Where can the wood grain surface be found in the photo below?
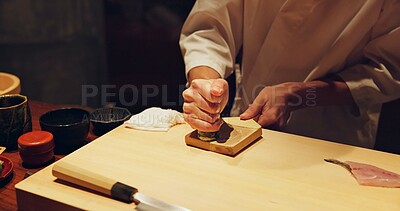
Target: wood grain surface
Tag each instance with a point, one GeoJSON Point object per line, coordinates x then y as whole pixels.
{"type": "Point", "coordinates": [7, 189]}
{"type": "Point", "coordinates": [278, 172]}
{"type": "Point", "coordinates": [233, 136]}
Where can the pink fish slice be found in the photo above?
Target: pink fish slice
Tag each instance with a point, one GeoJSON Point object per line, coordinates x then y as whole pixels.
{"type": "Point", "coordinates": [370, 175]}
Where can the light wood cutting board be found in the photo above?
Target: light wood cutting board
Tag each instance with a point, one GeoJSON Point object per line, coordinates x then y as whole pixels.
{"type": "Point", "coordinates": [235, 135]}
{"type": "Point", "coordinates": [278, 172]}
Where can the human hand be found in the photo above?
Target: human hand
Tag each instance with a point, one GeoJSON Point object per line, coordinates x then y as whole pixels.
{"type": "Point", "coordinates": [273, 105]}
{"type": "Point", "coordinates": [204, 101]}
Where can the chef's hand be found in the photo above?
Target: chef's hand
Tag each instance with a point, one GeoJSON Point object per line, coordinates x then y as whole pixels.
{"type": "Point", "coordinates": [272, 106]}
{"type": "Point", "coordinates": [204, 101]}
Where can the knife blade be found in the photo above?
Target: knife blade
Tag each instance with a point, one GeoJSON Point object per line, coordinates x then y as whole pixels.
{"type": "Point", "coordinates": [122, 192]}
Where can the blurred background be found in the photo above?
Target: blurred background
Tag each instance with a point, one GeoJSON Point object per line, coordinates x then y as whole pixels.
{"type": "Point", "coordinates": [95, 52]}
{"type": "Point", "coordinates": [111, 52]}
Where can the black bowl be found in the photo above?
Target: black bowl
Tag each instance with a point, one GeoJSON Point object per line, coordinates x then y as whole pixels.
{"type": "Point", "coordinates": [69, 126]}
{"type": "Point", "coordinates": [106, 119]}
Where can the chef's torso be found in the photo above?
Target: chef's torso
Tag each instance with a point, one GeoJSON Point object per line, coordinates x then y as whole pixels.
{"type": "Point", "coordinates": [298, 41]}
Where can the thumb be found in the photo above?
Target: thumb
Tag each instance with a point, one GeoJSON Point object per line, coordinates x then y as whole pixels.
{"type": "Point", "coordinates": [219, 87]}
{"type": "Point", "coordinates": [251, 112]}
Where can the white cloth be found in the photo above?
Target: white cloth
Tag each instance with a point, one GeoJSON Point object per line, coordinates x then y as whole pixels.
{"type": "Point", "coordinates": [155, 119]}
{"type": "Point", "coordinates": [300, 41]}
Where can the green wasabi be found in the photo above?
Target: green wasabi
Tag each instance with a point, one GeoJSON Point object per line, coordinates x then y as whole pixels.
{"type": "Point", "coordinates": [207, 136]}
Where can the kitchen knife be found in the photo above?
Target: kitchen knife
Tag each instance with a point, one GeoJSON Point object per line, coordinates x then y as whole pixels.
{"type": "Point", "coordinates": [85, 178]}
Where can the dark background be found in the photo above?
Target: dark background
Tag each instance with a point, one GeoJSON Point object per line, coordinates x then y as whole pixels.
{"type": "Point", "coordinates": [111, 52]}
{"type": "Point", "coordinates": [95, 52]}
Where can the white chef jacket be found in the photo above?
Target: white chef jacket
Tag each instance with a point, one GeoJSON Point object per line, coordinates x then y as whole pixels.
{"type": "Point", "coordinates": [300, 41]}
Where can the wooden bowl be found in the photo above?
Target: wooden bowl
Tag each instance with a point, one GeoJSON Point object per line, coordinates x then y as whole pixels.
{"type": "Point", "coordinates": [9, 84]}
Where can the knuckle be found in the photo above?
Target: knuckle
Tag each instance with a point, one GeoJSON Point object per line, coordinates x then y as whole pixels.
{"type": "Point", "coordinates": [206, 118]}
{"type": "Point", "coordinates": [186, 118]}
{"type": "Point", "coordinates": [252, 107]}
{"type": "Point", "coordinates": [214, 117]}
{"type": "Point", "coordinates": [215, 99]}
{"type": "Point", "coordinates": [186, 107]}
{"type": "Point", "coordinates": [190, 121]}
{"type": "Point", "coordinates": [274, 118]}
{"type": "Point", "coordinates": [195, 83]}
{"type": "Point", "coordinates": [187, 93]}
{"type": "Point", "coordinates": [266, 121]}
{"type": "Point", "coordinates": [214, 108]}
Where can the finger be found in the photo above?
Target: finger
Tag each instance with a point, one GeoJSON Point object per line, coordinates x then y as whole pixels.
{"type": "Point", "coordinates": [194, 116]}
{"type": "Point", "coordinates": [251, 112]}
{"type": "Point", "coordinates": [281, 124]}
{"type": "Point", "coordinates": [200, 93]}
{"type": "Point", "coordinates": [188, 95]}
{"type": "Point", "coordinates": [255, 108]}
{"type": "Point", "coordinates": [197, 113]}
{"type": "Point", "coordinates": [266, 120]}
{"type": "Point", "coordinates": [273, 118]}
{"type": "Point", "coordinates": [211, 90]}
{"type": "Point", "coordinates": [202, 125]}
{"type": "Point", "coordinates": [219, 87]}
{"type": "Point", "coordinates": [277, 126]}
{"type": "Point", "coordinates": [256, 117]}
{"type": "Point", "coordinates": [203, 104]}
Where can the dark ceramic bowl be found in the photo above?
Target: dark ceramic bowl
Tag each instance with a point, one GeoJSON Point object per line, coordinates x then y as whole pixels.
{"type": "Point", "coordinates": [15, 119]}
{"type": "Point", "coordinates": [106, 119]}
{"type": "Point", "coordinates": [69, 126]}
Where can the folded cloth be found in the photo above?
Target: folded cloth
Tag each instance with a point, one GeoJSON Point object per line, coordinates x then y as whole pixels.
{"type": "Point", "coordinates": [155, 119]}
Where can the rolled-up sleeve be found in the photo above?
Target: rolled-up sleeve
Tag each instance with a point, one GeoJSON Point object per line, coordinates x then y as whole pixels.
{"type": "Point", "coordinates": [212, 35]}
{"type": "Point", "coordinates": [378, 80]}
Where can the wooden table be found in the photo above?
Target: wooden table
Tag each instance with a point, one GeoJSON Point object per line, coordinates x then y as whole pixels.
{"type": "Point", "coordinates": [7, 191]}
{"type": "Point", "coordinates": [278, 172]}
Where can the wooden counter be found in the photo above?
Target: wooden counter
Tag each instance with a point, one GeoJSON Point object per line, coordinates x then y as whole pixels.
{"type": "Point", "coordinates": [7, 190]}
{"type": "Point", "coordinates": [278, 172]}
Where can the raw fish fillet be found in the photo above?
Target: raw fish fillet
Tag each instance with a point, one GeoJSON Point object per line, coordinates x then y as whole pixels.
{"type": "Point", "coordinates": [370, 175]}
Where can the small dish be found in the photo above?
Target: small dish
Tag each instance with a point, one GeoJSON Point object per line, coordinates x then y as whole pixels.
{"type": "Point", "coordinates": [106, 119]}
{"type": "Point", "coordinates": [7, 168]}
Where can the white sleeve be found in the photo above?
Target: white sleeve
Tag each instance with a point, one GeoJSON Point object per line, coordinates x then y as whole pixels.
{"type": "Point", "coordinates": [378, 80]}
{"type": "Point", "coordinates": [212, 35]}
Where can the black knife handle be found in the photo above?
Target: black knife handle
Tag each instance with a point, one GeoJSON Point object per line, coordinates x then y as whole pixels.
{"type": "Point", "coordinates": [123, 192]}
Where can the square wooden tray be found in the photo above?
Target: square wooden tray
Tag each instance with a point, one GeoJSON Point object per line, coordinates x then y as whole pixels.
{"type": "Point", "coordinates": [235, 135]}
